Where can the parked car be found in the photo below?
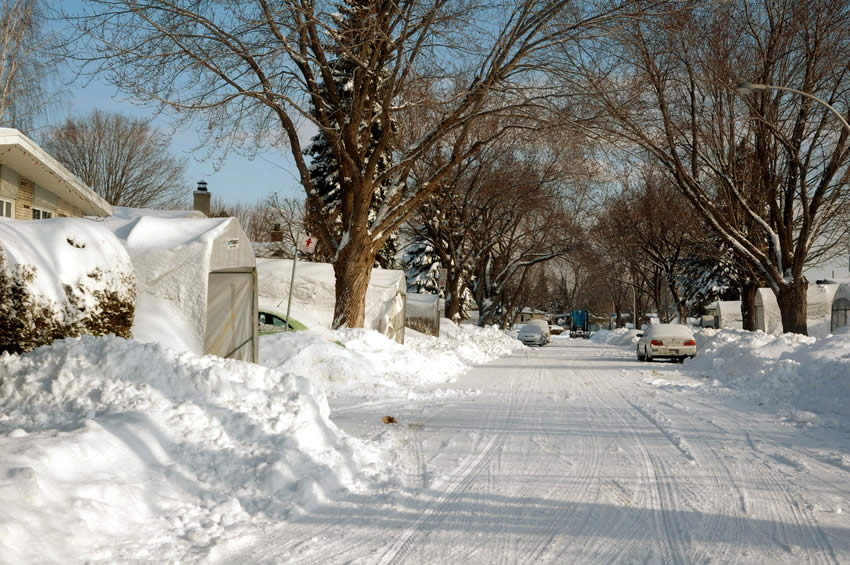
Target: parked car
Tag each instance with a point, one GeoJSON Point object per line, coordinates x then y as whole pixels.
{"type": "Point", "coordinates": [272, 323]}
{"type": "Point", "coordinates": [532, 334]}
{"type": "Point", "coordinates": [670, 341]}
{"type": "Point", "coordinates": [544, 327]}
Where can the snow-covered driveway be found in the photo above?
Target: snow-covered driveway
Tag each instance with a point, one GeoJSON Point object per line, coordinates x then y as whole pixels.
{"type": "Point", "coordinates": [576, 453]}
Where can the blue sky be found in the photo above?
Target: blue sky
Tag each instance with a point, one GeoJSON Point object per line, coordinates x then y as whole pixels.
{"type": "Point", "coordinates": [238, 178]}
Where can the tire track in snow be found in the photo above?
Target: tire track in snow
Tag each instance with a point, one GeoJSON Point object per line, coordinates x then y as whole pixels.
{"type": "Point", "coordinates": [660, 497]}
{"type": "Point", "coordinates": [767, 480]}
{"type": "Point", "coordinates": [459, 485]}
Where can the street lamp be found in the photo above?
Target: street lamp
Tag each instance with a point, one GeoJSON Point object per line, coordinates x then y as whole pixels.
{"type": "Point", "coordinates": [745, 88]}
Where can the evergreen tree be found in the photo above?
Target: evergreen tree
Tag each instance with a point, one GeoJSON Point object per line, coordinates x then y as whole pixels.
{"type": "Point", "coordinates": [421, 265]}
{"type": "Point", "coordinates": [324, 169]}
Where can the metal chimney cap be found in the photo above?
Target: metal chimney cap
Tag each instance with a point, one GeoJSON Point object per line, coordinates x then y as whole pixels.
{"type": "Point", "coordinates": [202, 185]}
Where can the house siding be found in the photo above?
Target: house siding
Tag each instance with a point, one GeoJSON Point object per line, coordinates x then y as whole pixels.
{"type": "Point", "coordinates": [65, 210]}
{"type": "Point", "coordinates": [23, 202]}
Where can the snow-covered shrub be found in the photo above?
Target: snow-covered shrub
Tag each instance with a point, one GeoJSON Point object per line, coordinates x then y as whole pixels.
{"type": "Point", "coordinates": [62, 278]}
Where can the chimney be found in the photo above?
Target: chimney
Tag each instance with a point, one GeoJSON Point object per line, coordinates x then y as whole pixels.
{"type": "Point", "coordinates": [202, 198]}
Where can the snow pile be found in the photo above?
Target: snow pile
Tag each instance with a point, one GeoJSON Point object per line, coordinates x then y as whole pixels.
{"type": "Point", "coordinates": [473, 345]}
{"type": "Point", "coordinates": [113, 449]}
{"type": "Point", "coordinates": [619, 336]}
{"type": "Point", "coordinates": [62, 277]}
{"type": "Point", "coordinates": [364, 361]}
{"type": "Point", "coordinates": [802, 376]}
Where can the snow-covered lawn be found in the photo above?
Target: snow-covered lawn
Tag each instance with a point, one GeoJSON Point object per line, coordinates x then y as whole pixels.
{"type": "Point", "coordinates": [113, 450]}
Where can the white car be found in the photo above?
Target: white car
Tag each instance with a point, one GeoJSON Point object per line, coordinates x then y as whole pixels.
{"type": "Point", "coordinates": [532, 334]}
{"type": "Point", "coordinates": [670, 341]}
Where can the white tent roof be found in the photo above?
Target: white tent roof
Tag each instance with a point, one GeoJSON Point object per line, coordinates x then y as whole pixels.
{"type": "Point", "coordinates": [818, 309]}
{"type": "Point", "coordinates": [729, 312]}
{"type": "Point", "coordinates": [173, 256]}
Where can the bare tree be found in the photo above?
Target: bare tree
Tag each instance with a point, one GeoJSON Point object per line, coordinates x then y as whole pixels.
{"type": "Point", "coordinates": [663, 229]}
{"type": "Point", "coordinates": [27, 61]}
{"type": "Point", "coordinates": [254, 70]}
{"type": "Point", "coordinates": [123, 159]}
{"type": "Point", "coordinates": [287, 215]}
{"type": "Point", "coordinates": [666, 83]}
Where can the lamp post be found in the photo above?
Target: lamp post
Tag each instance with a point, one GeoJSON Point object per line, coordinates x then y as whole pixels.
{"type": "Point", "coordinates": [745, 88]}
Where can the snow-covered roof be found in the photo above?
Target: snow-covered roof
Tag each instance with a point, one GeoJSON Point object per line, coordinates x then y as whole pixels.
{"type": "Point", "coordinates": [22, 154]}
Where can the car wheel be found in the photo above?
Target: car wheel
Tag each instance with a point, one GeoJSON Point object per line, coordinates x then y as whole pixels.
{"type": "Point", "coordinates": [647, 355]}
{"type": "Point", "coordinates": [639, 356]}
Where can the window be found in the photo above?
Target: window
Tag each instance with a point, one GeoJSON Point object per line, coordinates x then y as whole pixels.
{"type": "Point", "coordinates": [840, 313]}
{"type": "Point", "coordinates": [39, 214]}
{"type": "Point", "coordinates": [7, 208]}
{"type": "Point", "coordinates": [267, 319]}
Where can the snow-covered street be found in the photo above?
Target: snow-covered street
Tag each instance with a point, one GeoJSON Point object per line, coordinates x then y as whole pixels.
{"type": "Point", "coordinates": [347, 447]}
{"type": "Point", "coordinates": [576, 453]}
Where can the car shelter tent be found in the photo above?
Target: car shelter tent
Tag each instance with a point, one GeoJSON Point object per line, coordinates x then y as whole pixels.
{"type": "Point", "coordinates": [840, 310]}
{"type": "Point", "coordinates": [819, 306]}
{"type": "Point", "coordinates": [313, 296]}
{"type": "Point", "coordinates": [201, 268]}
{"type": "Point", "coordinates": [727, 314]}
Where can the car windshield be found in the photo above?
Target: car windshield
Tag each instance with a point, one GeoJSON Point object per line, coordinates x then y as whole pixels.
{"type": "Point", "coordinates": [529, 329]}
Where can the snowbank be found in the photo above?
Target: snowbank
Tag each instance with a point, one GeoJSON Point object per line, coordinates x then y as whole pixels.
{"type": "Point", "coordinates": [619, 336]}
{"type": "Point", "coordinates": [61, 277]}
{"type": "Point", "coordinates": [365, 361]}
{"type": "Point", "coordinates": [108, 445]}
{"type": "Point", "coordinates": [805, 377]}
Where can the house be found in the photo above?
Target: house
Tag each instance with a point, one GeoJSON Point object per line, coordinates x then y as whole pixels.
{"type": "Point", "coordinates": [35, 186]}
{"type": "Point", "coordinates": [532, 314]}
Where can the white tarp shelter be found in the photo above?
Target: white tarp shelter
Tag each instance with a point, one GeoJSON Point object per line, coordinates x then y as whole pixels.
{"type": "Point", "coordinates": [201, 268]}
{"type": "Point", "coordinates": [313, 297]}
{"type": "Point", "coordinates": [819, 302]}
{"type": "Point", "coordinates": [727, 314]}
{"type": "Point", "coordinates": [840, 314]}
{"type": "Point", "coordinates": [423, 313]}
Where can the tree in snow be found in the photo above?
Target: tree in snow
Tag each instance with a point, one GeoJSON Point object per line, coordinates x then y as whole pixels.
{"type": "Point", "coordinates": [123, 159]}
{"type": "Point", "coordinates": [663, 228]}
{"type": "Point", "coordinates": [421, 267]}
{"type": "Point", "coordinates": [252, 72]}
{"type": "Point", "coordinates": [483, 199]}
{"type": "Point", "coordinates": [324, 166]}
{"type": "Point", "coordinates": [667, 83]}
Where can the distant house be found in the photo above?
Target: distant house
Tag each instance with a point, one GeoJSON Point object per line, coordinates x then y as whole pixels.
{"type": "Point", "coordinates": [532, 314]}
{"type": "Point", "coordinates": [35, 186]}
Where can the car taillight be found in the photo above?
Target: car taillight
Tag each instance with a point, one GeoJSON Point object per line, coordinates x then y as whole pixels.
{"type": "Point", "coordinates": [656, 342]}
{"type": "Point", "coordinates": [690, 342]}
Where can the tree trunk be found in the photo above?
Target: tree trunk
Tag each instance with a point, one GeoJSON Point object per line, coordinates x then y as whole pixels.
{"type": "Point", "coordinates": [749, 289]}
{"type": "Point", "coordinates": [352, 270]}
{"type": "Point", "coordinates": [453, 299]}
{"type": "Point", "coordinates": [793, 306]}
